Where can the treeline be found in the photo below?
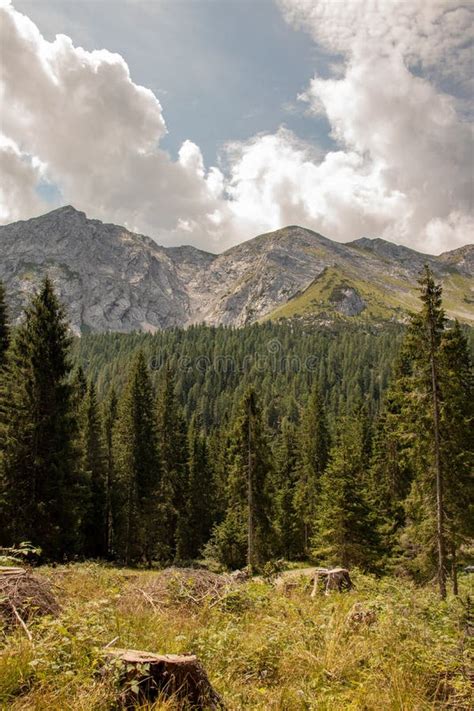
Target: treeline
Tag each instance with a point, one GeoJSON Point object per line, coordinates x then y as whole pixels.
{"type": "Point", "coordinates": [157, 449]}
{"type": "Point", "coordinates": [214, 366]}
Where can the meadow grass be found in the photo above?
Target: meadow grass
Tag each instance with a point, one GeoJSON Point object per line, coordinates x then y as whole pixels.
{"type": "Point", "coordinates": [262, 647]}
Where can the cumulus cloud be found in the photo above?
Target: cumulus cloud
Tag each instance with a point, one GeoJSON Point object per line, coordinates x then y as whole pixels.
{"type": "Point", "coordinates": [96, 135]}
{"type": "Point", "coordinates": [397, 104]}
{"type": "Point", "coordinates": [404, 166]}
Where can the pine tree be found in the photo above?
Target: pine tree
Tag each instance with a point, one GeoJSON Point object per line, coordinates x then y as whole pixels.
{"type": "Point", "coordinates": [136, 521]}
{"type": "Point", "coordinates": [434, 426]}
{"type": "Point", "coordinates": [314, 443]}
{"type": "Point", "coordinates": [245, 534]}
{"type": "Point", "coordinates": [345, 532]}
{"type": "Point", "coordinates": [94, 515]}
{"type": "Point", "coordinates": [420, 426]}
{"type": "Point", "coordinates": [172, 435]}
{"type": "Point", "coordinates": [4, 327]}
{"type": "Point", "coordinates": [457, 430]}
{"type": "Point", "coordinates": [287, 466]}
{"type": "Point", "coordinates": [38, 431]}
{"type": "Point", "coordinates": [109, 420]}
{"type": "Point", "coordinates": [195, 522]}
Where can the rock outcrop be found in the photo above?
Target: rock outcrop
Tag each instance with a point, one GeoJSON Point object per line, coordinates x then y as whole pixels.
{"type": "Point", "coordinates": [112, 279]}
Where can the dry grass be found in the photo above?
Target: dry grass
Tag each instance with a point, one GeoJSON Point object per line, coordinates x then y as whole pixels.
{"type": "Point", "coordinates": [262, 648]}
{"type": "Point", "coordinates": [177, 587]}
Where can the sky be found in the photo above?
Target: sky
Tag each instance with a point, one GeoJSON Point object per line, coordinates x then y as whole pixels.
{"type": "Point", "coordinates": [207, 122]}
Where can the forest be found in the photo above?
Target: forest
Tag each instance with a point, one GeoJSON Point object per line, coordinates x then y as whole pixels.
{"type": "Point", "coordinates": [137, 471]}
{"type": "Point", "coordinates": [337, 444]}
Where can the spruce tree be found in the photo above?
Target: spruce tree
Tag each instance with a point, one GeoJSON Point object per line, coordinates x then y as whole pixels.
{"type": "Point", "coordinates": [457, 428]}
{"type": "Point", "coordinates": [172, 435]}
{"type": "Point", "coordinates": [287, 466]}
{"type": "Point", "coordinates": [4, 326]}
{"type": "Point", "coordinates": [136, 520]}
{"type": "Point", "coordinates": [94, 515]}
{"type": "Point", "coordinates": [314, 444]}
{"type": "Point", "coordinates": [420, 425]}
{"type": "Point", "coordinates": [196, 520]}
{"type": "Point", "coordinates": [38, 431]}
{"type": "Point", "coordinates": [345, 530]}
{"type": "Point", "coordinates": [109, 420]}
{"type": "Point", "coordinates": [245, 535]}
{"type": "Point", "coordinates": [434, 426]}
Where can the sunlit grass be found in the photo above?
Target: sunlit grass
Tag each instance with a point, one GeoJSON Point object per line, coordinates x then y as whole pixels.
{"type": "Point", "coordinates": [262, 649]}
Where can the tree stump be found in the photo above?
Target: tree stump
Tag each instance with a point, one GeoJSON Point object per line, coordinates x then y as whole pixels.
{"type": "Point", "coordinates": [332, 579]}
{"type": "Point", "coordinates": [145, 677]}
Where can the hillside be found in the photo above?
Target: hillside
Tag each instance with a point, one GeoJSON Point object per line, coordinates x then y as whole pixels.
{"type": "Point", "coordinates": [113, 279]}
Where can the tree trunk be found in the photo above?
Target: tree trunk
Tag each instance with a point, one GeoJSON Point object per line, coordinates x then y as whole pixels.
{"type": "Point", "coordinates": [454, 572]}
{"type": "Point", "coordinates": [146, 678]}
{"type": "Point", "coordinates": [439, 477]}
{"type": "Point", "coordinates": [250, 551]}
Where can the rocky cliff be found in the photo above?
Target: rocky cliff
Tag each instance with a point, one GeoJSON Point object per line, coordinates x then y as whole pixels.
{"type": "Point", "coordinates": [112, 279]}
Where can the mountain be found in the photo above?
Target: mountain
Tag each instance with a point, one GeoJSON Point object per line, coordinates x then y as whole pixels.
{"type": "Point", "coordinates": [113, 279]}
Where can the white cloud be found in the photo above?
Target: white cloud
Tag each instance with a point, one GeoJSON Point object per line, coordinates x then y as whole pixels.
{"type": "Point", "coordinates": [97, 134]}
{"type": "Point", "coordinates": [402, 168]}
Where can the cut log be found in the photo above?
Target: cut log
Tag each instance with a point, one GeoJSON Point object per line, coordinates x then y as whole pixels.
{"type": "Point", "coordinates": [331, 579]}
{"type": "Point", "coordinates": [9, 570]}
{"type": "Point", "coordinates": [144, 677]}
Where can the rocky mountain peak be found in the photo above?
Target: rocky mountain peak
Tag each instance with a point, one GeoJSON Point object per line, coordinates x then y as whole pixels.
{"type": "Point", "coordinates": [112, 279]}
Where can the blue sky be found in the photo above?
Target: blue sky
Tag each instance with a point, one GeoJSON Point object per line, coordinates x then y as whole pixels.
{"type": "Point", "coordinates": [209, 121]}
{"type": "Point", "coordinates": [222, 69]}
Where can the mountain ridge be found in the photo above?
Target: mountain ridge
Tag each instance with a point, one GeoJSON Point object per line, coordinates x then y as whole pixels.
{"type": "Point", "coordinates": [113, 279]}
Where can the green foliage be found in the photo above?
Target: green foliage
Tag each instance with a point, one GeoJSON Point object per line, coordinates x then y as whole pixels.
{"type": "Point", "coordinates": [248, 507]}
{"type": "Point", "coordinates": [427, 437]}
{"type": "Point", "coordinates": [314, 448]}
{"type": "Point", "coordinates": [198, 515]}
{"type": "Point", "coordinates": [4, 326]}
{"type": "Point", "coordinates": [262, 648]}
{"type": "Point", "coordinates": [137, 469]}
{"type": "Point", "coordinates": [345, 530]}
{"type": "Point", "coordinates": [173, 502]}
{"type": "Point", "coordinates": [220, 441]}
{"type": "Point", "coordinates": [94, 516]}
{"type": "Point", "coordinates": [40, 477]}
{"type": "Point", "coordinates": [287, 516]}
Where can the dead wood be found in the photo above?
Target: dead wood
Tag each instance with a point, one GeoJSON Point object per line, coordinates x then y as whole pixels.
{"type": "Point", "coordinates": [331, 579]}
{"type": "Point", "coordinates": [144, 677]}
{"type": "Point", "coordinates": [23, 595]}
{"type": "Point", "coordinates": [178, 587]}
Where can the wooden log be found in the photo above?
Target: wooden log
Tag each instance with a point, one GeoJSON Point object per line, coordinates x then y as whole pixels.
{"type": "Point", "coordinates": [144, 677]}
{"type": "Point", "coordinates": [8, 570]}
{"type": "Point", "coordinates": [332, 579]}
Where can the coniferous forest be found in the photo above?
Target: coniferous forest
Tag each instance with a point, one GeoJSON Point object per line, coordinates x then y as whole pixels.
{"type": "Point", "coordinates": [341, 445]}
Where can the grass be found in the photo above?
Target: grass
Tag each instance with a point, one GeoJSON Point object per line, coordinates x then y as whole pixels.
{"type": "Point", "coordinates": [317, 297]}
{"type": "Point", "coordinates": [394, 297]}
{"type": "Point", "coordinates": [262, 648]}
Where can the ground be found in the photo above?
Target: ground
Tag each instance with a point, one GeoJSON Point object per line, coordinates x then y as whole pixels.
{"type": "Point", "coordinates": [263, 646]}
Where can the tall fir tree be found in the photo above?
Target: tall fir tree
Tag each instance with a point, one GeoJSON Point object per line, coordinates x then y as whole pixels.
{"type": "Point", "coordinates": [38, 431]}
{"type": "Point", "coordinates": [457, 431]}
{"type": "Point", "coordinates": [109, 419]}
{"type": "Point", "coordinates": [136, 520]}
{"type": "Point", "coordinates": [286, 517]}
{"type": "Point", "coordinates": [94, 471]}
{"type": "Point", "coordinates": [345, 530]}
{"type": "Point", "coordinates": [245, 534]}
{"type": "Point", "coordinates": [196, 520]}
{"type": "Point", "coordinates": [4, 326]}
{"type": "Point", "coordinates": [434, 429]}
{"type": "Point", "coordinates": [314, 444]}
{"type": "Point", "coordinates": [172, 435]}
